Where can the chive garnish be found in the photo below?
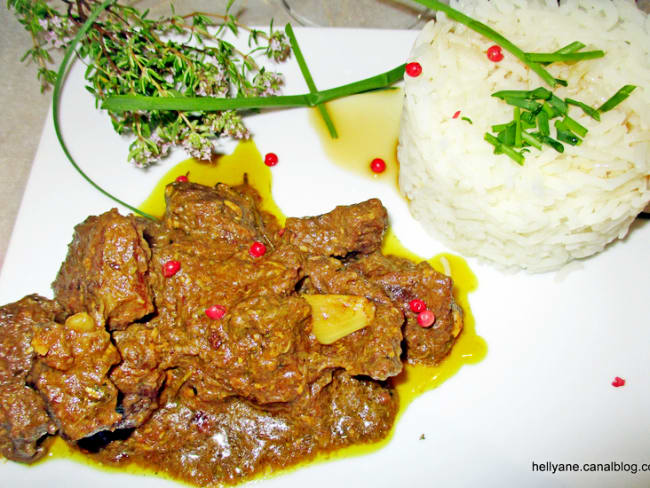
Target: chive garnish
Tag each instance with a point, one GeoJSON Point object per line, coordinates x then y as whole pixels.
{"type": "Point", "coordinates": [569, 48]}
{"type": "Point", "coordinates": [540, 93]}
{"type": "Point", "coordinates": [542, 123]}
{"type": "Point", "coordinates": [574, 126]}
{"type": "Point", "coordinates": [502, 148]}
{"type": "Point", "coordinates": [617, 98]}
{"type": "Point", "coordinates": [568, 137]}
{"type": "Point", "coordinates": [509, 135]}
{"type": "Point", "coordinates": [550, 111]}
{"type": "Point", "coordinates": [558, 104]}
{"type": "Point", "coordinates": [553, 143]}
{"type": "Point", "coordinates": [591, 112]}
{"type": "Point", "coordinates": [556, 57]}
{"type": "Point", "coordinates": [523, 103]}
{"type": "Point", "coordinates": [467, 119]}
{"type": "Point", "coordinates": [121, 103]}
{"type": "Point", "coordinates": [309, 80]}
{"type": "Point", "coordinates": [517, 116]}
{"type": "Point", "coordinates": [531, 139]}
{"type": "Point", "coordinates": [500, 127]}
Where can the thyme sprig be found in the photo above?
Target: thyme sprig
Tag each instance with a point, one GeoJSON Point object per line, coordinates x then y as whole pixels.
{"type": "Point", "coordinates": [128, 53]}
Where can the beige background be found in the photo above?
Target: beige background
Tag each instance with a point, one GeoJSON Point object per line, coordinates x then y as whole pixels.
{"type": "Point", "coordinates": [24, 108]}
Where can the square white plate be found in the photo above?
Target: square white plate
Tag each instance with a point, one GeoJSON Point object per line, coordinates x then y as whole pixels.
{"type": "Point", "coordinates": [555, 340]}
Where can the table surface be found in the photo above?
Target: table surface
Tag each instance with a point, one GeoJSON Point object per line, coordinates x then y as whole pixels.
{"type": "Point", "coordinates": [25, 107]}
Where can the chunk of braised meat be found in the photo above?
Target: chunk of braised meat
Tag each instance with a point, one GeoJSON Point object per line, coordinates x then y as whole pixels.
{"type": "Point", "coordinates": [346, 229]}
{"type": "Point", "coordinates": [24, 421]}
{"type": "Point", "coordinates": [205, 279]}
{"type": "Point", "coordinates": [373, 350]}
{"type": "Point", "coordinates": [105, 271]}
{"type": "Point", "coordinates": [404, 281]}
{"type": "Point", "coordinates": [72, 375]}
{"type": "Point", "coordinates": [229, 214]}
{"type": "Point", "coordinates": [254, 349]}
{"type": "Point", "coordinates": [258, 350]}
{"type": "Point", "coordinates": [234, 439]}
{"type": "Point", "coordinates": [139, 376]}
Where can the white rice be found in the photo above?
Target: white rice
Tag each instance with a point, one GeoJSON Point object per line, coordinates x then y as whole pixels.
{"type": "Point", "coordinates": [556, 207]}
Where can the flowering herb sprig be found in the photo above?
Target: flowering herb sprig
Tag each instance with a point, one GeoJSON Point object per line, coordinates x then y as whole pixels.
{"type": "Point", "coordinates": [128, 53]}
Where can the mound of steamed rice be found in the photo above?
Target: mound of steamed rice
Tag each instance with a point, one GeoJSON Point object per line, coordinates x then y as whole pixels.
{"type": "Point", "coordinates": [556, 207]}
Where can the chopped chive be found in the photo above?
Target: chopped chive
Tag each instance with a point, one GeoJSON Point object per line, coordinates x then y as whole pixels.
{"type": "Point", "coordinates": [531, 139]}
{"type": "Point", "coordinates": [574, 126]}
{"type": "Point", "coordinates": [591, 112]}
{"type": "Point", "coordinates": [568, 137]}
{"type": "Point", "coordinates": [558, 104]}
{"type": "Point", "coordinates": [551, 112]}
{"type": "Point", "coordinates": [508, 151]}
{"type": "Point", "coordinates": [528, 117]}
{"type": "Point", "coordinates": [503, 94]}
{"type": "Point", "coordinates": [525, 124]}
{"type": "Point", "coordinates": [569, 48]}
{"type": "Point", "coordinates": [524, 103]}
{"type": "Point", "coordinates": [517, 116]}
{"type": "Point", "coordinates": [536, 94]}
{"type": "Point", "coordinates": [564, 57]}
{"type": "Point", "coordinates": [617, 98]}
{"type": "Point", "coordinates": [467, 119]}
{"type": "Point", "coordinates": [542, 123]}
{"type": "Point", "coordinates": [500, 127]}
{"type": "Point", "coordinates": [541, 93]}
{"type": "Point", "coordinates": [491, 139]}
{"type": "Point", "coordinates": [553, 143]}
{"type": "Point", "coordinates": [561, 82]}
{"type": "Point", "coordinates": [509, 135]}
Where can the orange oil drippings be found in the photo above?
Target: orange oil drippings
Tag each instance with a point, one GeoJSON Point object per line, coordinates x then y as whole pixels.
{"type": "Point", "coordinates": [230, 169]}
{"type": "Point", "coordinates": [368, 128]}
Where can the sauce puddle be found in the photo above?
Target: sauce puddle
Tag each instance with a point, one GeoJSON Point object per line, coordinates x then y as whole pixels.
{"type": "Point", "coordinates": [368, 128]}
{"type": "Point", "coordinates": [378, 113]}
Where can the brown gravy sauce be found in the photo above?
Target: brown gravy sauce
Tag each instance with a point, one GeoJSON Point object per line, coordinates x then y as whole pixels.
{"type": "Point", "coordinates": [379, 114]}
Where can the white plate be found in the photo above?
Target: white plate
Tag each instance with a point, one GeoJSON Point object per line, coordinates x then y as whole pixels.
{"type": "Point", "coordinates": [555, 341]}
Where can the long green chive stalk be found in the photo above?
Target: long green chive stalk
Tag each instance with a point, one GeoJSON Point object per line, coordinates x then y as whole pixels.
{"type": "Point", "coordinates": [56, 99]}
{"type": "Point", "coordinates": [138, 102]}
{"type": "Point", "coordinates": [309, 80]}
{"type": "Point", "coordinates": [491, 34]}
{"type": "Point", "coordinates": [558, 57]}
